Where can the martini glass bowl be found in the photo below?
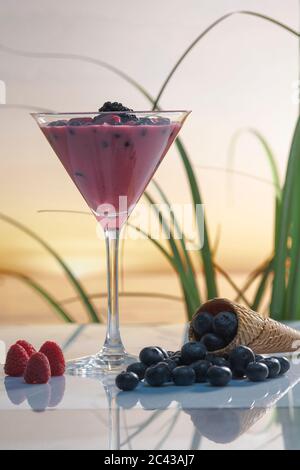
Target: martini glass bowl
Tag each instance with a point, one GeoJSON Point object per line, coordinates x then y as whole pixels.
{"type": "Point", "coordinates": [110, 157]}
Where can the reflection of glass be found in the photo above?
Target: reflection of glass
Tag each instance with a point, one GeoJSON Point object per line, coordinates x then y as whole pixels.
{"type": "Point", "coordinates": [111, 165]}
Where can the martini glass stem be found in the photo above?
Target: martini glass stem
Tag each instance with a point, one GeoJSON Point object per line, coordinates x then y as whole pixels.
{"type": "Point", "coordinates": [113, 346]}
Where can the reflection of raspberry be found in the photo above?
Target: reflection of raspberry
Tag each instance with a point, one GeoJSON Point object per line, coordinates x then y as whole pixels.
{"type": "Point", "coordinates": [16, 361]}
{"type": "Point", "coordinates": [27, 346]}
{"type": "Point", "coordinates": [55, 357]}
{"type": "Point", "coordinates": [37, 370]}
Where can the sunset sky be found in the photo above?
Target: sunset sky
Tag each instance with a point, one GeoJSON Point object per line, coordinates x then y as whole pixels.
{"type": "Point", "coordinates": [241, 75]}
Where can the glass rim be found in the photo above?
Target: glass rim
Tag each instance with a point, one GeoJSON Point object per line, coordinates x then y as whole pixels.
{"type": "Point", "coordinates": [73, 113]}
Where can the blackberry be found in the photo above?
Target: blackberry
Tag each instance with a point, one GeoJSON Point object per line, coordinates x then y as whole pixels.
{"type": "Point", "coordinates": [115, 106]}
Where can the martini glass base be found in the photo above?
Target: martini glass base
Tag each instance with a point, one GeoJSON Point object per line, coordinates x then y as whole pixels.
{"type": "Point", "coordinates": [99, 364]}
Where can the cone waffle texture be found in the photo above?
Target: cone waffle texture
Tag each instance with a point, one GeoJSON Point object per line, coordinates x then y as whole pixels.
{"type": "Point", "coordinates": [262, 335]}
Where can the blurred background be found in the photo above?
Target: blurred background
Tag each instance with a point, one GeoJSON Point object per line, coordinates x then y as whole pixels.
{"type": "Point", "coordinates": [243, 74]}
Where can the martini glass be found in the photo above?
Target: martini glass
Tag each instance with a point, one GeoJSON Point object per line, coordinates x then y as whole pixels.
{"type": "Point", "coordinates": [110, 157]}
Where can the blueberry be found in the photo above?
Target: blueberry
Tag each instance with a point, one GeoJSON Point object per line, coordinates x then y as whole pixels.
{"type": "Point", "coordinates": [59, 123]}
{"type": "Point", "coordinates": [200, 369]}
{"type": "Point", "coordinates": [137, 368]}
{"type": "Point", "coordinates": [239, 360]}
{"type": "Point", "coordinates": [127, 381]}
{"type": "Point", "coordinates": [75, 122]}
{"type": "Point", "coordinates": [219, 361]}
{"type": "Point", "coordinates": [151, 355]}
{"type": "Point", "coordinates": [183, 375]}
{"type": "Point", "coordinates": [170, 363]}
{"type": "Point", "coordinates": [177, 359]}
{"type": "Point", "coordinates": [284, 365]}
{"type": "Point", "coordinates": [257, 372]}
{"type": "Point", "coordinates": [219, 376]}
{"type": "Point", "coordinates": [225, 325]}
{"type": "Point", "coordinates": [193, 351]}
{"type": "Point", "coordinates": [145, 121]}
{"type": "Point", "coordinates": [273, 365]}
{"type": "Point", "coordinates": [258, 357]}
{"type": "Point", "coordinates": [163, 351]}
{"type": "Point", "coordinates": [202, 323]}
{"type": "Point", "coordinates": [157, 375]}
{"type": "Point", "coordinates": [213, 342]}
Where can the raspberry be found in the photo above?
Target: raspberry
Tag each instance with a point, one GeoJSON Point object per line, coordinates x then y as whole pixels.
{"type": "Point", "coordinates": [27, 346]}
{"type": "Point", "coordinates": [55, 357]}
{"type": "Point", "coordinates": [37, 370]}
{"type": "Point", "coordinates": [16, 361]}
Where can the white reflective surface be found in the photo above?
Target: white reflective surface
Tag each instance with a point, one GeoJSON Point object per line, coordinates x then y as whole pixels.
{"type": "Point", "coordinates": [85, 413]}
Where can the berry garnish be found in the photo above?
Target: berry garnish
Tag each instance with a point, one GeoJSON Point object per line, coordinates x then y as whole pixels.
{"type": "Point", "coordinates": [16, 361]}
{"type": "Point", "coordinates": [151, 355]}
{"type": "Point", "coordinates": [183, 375]}
{"type": "Point", "coordinates": [202, 324]}
{"type": "Point", "coordinates": [127, 381]}
{"type": "Point", "coordinates": [137, 368]}
{"type": "Point", "coordinates": [213, 342]}
{"type": "Point", "coordinates": [193, 351]}
{"type": "Point", "coordinates": [37, 369]}
{"type": "Point", "coordinates": [257, 372]}
{"type": "Point", "coordinates": [27, 346]}
{"type": "Point", "coordinates": [239, 360]}
{"type": "Point", "coordinates": [219, 376]}
{"type": "Point", "coordinates": [55, 356]}
{"type": "Point", "coordinates": [225, 325]}
{"type": "Point", "coordinates": [59, 123]}
{"type": "Point", "coordinates": [109, 106]}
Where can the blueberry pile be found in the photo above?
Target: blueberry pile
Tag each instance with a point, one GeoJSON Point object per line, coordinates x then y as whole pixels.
{"type": "Point", "coordinates": [215, 332]}
{"type": "Point", "coordinates": [195, 364]}
{"type": "Point", "coordinates": [126, 116]}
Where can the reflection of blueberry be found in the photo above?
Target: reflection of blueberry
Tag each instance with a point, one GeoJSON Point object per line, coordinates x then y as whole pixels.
{"type": "Point", "coordinates": [219, 376]}
{"type": "Point", "coordinates": [155, 401]}
{"type": "Point", "coordinates": [157, 375]}
{"type": "Point", "coordinates": [183, 375]}
{"type": "Point", "coordinates": [193, 351]}
{"type": "Point", "coordinates": [213, 342]}
{"type": "Point", "coordinates": [273, 365]}
{"type": "Point", "coordinates": [57, 391]}
{"type": "Point", "coordinates": [200, 369]}
{"type": "Point", "coordinates": [225, 324]}
{"type": "Point", "coordinates": [75, 122]}
{"type": "Point", "coordinates": [127, 381]}
{"type": "Point", "coordinates": [151, 355]}
{"type": "Point", "coordinates": [117, 136]}
{"type": "Point", "coordinates": [15, 390]}
{"type": "Point", "coordinates": [126, 400]}
{"type": "Point", "coordinates": [202, 324]}
{"type": "Point", "coordinates": [104, 144]}
{"type": "Point", "coordinates": [127, 144]}
{"type": "Point", "coordinates": [257, 372]}
{"type": "Point", "coordinates": [284, 365]}
{"type": "Point", "coordinates": [38, 397]}
{"type": "Point", "coordinates": [137, 368]}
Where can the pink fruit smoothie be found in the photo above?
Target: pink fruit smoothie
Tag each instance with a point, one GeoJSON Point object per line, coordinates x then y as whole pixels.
{"type": "Point", "coordinates": [108, 161]}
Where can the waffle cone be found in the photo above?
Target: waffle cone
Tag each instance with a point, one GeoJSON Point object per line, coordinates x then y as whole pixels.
{"type": "Point", "coordinates": [262, 335]}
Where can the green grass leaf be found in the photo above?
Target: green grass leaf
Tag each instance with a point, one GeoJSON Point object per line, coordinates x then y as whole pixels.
{"type": "Point", "coordinates": [54, 304]}
{"type": "Point", "coordinates": [73, 280]}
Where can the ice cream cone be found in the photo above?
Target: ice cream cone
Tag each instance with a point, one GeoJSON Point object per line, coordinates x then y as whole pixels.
{"type": "Point", "coordinates": [262, 335]}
